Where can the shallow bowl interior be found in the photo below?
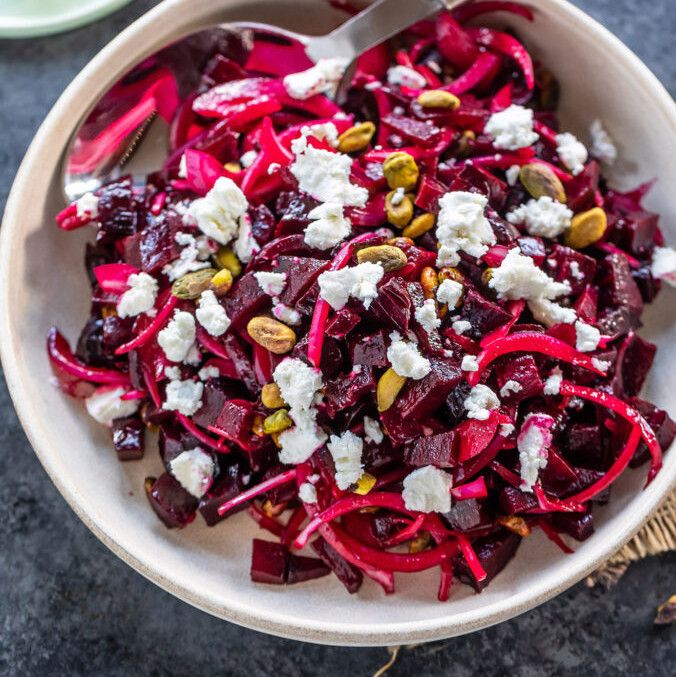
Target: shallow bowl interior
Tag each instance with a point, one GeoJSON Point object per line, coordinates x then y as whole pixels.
{"type": "Point", "coordinates": [43, 283]}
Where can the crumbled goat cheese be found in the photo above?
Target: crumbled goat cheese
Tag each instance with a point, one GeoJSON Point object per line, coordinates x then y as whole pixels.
{"type": "Point", "coordinates": [183, 396]}
{"type": "Point", "coordinates": [221, 211]}
{"type": "Point", "coordinates": [533, 443]}
{"type": "Point", "coordinates": [403, 76]}
{"type": "Point", "coordinates": [323, 77]}
{"type": "Point", "coordinates": [182, 167]}
{"type": "Point", "coordinates": [553, 383]}
{"type": "Point", "coordinates": [205, 373]}
{"type": "Point", "coordinates": [346, 451]}
{"type": "Point", "coordinates": [87, 206]}
{"type": "Point", "coordinates": [462, 226]}
{"type": "Point", "coordinates": [105, 405]}
{"type": "Point", "coordinates": [506, 429]}
{"type": "Point", "coordinates": [248, 158]}
{"type": "Point", "coordinates": [517, 277]}
{"type": "Point", "coordinates": [405, 358]}
{"type": "Point", "coordinates": [372, 430]}
{"type": "Point", "coordinates": [286, 314]}
{"type": "Point", "coordinates": [328, 226]}
{"type": "Point", "coordinates": [469, 363]}
{"type": "Point", "coordinates": [449, 292]}
{"type": "Point", "coordinates": [510, 386]}
{"type": "Point", "coordinates": [140, 297]}
{"type": "Point", "coordinates": [427, 489]}
{"type": "Point", "coordinates": [273, 167]}
{"type": "Point", "coordinates": [194, 357]}
{"type": "Point", "coordinates": [601, 365]}
{"type": "Point", "coordinates": [245, 245]}
{"type": "Point", "coordinates": [587, 337]}
{"type": "Point", "coordinates": [193, 256]}
{"type": "Point", "coordinates": [326, 177]}
{"type": "Point", "coordinates": [663, 266]}
{"type": "Point", "coordinates": [307, 493]}
{"type": "Point", "coordinates": [543, 217]}
{"type": "Point", "coordinates": [575, 271]}
{"type": "Point", "coordinates": [427, 316]}
{"type": "Point", "coordinates": [398, 197]}
{"type": "Point", "coordinates": [172, 373]}
{"type": "Point", "coordinates": [271, 283]}
{"type": "Point", "coordinates": [194, 470]}
{"type": "Point", "coordinates": [512, 175]}
{"type": "Point", "coordinates": [480, 402]}
{"type": "Point", "coordinates": [461, 326]}
{"type": "Point", "coordinates": [299, 384]}
{"type": "Point", "coordinates": [336, 286]}
{"type": "Point", "coordinates": [512, 128]}
{"type": "Point", "coordinates": [375, 84]}
{"type": "Point", "coordinates": [211, 314]}
{"type": "Point", "coordinates": [178, 336]}
{"type": "Point", "coordinates": [603, 147]}
{"type": "Point", "coordinates": [324, 131]}
{"type": "Point", "coordinates": [571, 152]}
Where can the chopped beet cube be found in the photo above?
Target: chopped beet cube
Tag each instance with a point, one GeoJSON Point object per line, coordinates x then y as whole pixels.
{"type": "Point", "coordinates": [412, 129]}
{"type": "Point", "coordinates": [262, 224]}
{"type": "Point", "coordinates": [514, 501]}
{"type": "Point", "coordinates": [234, 421]}
{"type": "Point", "coordinates": [155, 246]}
{"type": "Point", "coordinates": [522, 370]}
{"type": "Point", "coordinates": [663, 427]}
{"type": "Point", "coordinates": [301, 272]}
{"type": "Point", "coordinates": [533, 247]}
{"type": "Point", "coordinates": [171, 502]}
{"type": "Point", "coordinates": [216, 392]}
{"type": "Point", "coordinates": [342, 323]}
{"type": "Point", "coordinates": [349, 576]}
{"type": "Point", "coordinates": [581, 190]}
{"type": "Point", "coordinates": [647, 284]}
{"type": "Point", "coordinates": [90, 345]}
{"type": "Point", "coordinates": [455, 403]}
{"type": "Point", "coordinates": [617, 286]}
{"type": "Point", "coordinates": [571, 266]}
{"type": "Point", "coordinates": [173, 441]}
{"type": "Point", "coordinates": [128, 436]}
{"type": "Point", "coordinates": [557, 476]}
{"type": "Point", "coordinates": [585, 478]}
{"type": "Point", "coordinates": [469, 514]}
{"type": "Point", "coordinates": [269, 562]}
{"type": "Point", "coordinates": [116, 331]}
{"type": "Point", "coordinates": [392, 307]}
{"type": "Point", "coordinates": [245, 299]}
{"type": "Point", "coordinates": [345, 391]}
{"type": "Point", "coordinates": [635, 232]}
{"type": "Point", "coordinates": [637, 358]}
{"type": "Point", "coordinates": [439, 450]}
{"type": "Point", "coordinates": [482, 314]}
{"type": "Point", "coordinates": [117, 212]}
{"type": "Point", "coordinates": [230, 483]}
{"type": "Point", "coordinates": [295, 214]}
{"type": "Point", "coordinates": [578, 526]}
{"type": "Point", "coordinates": [305, 569]}
{"type": "Point", "coordinates": [369, 350]}
{"type": "Point", "coordinates": [429, 192]}
{"type": "Point", "coordinates": [420, 398]}
{"type": "Point", "coordinates": [493, 552]}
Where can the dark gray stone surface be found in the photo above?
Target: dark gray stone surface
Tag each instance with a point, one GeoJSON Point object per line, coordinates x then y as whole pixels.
{"type": "Point", "coordinates": [69, 607]}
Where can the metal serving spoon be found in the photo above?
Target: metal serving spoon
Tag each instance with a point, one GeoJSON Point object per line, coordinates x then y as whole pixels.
{"type": "Point", "coordinates": [126, 131]}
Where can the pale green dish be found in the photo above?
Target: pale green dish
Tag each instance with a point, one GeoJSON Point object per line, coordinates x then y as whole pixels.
{"type": "Point", "coordinates": [30, 18]}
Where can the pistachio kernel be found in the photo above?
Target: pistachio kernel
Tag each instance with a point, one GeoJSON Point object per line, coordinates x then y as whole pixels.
{"type": "Point", "coordinates": [586, 228]}
{"type": "Point", "coordinates": [271, 396]}
{"type": "Point", "coordinates": [364, 484]}
{"type": "Point", "coordinates": [419, 226]}
{"type": "Point", "coordinates": [400, 241]}
{"type": "Point", "coordinates": [448, 273]}
{"type": "Point", "coordinates": [233, 167]}
{"type": "Point", "coordinates": [191, 285]}
{"type": "Point", "coordinates": [148, 484]}
{"type": "Point", "coordinates": [356, 138]}
{"type": "Point", "coordinates": [420, 542]}
{"type": "Point", "coordinates": [257, 427]}
{"type": "Point", "coordinates": [400, 171]}
{"type": "Point", "coordinates": [225, 258]}
{"type": "Point", "coordinates": [399, 210]}
{"type": "Point", "coordinates": [464, 142]}
{"type": "Point", "coordinates": [389, 257]}
{"type": "Point", "coordinates": [271, 334]}
{"type": "Point", "coordinates": [429, 281]}
{"type": "Point", "coordinates": [221, 282]}
{"type": "Point", "coordinates": [273, 509]}
{"type": "Point", "coordinates": [486, 276]}
{"type": "Point", "coordinates": [389, 385]}
{"type": "Point", "coordinates": [540, 181]}
{"type": "Point", "coordinates": [277, 422]}
{"type": "Point", "coordinates": [438, 98]}
{"type": "Point", "coordinates": [517, 525]}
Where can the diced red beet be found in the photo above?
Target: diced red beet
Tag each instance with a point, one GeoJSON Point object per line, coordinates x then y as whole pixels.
{"type": "Point", "coordinates": [581, 190]}
{"type": "Point", "coordinates": [514, 501]}
{"type": "Point", "coordinates": [482, 314]}
{"type": "Point", "coordinates": [522, 370]}
{"type": "Point", "coordinates": [344, 392]}
{"type": "Point", "coordinates": [117, 211]}
{"type": "Point", "coordinates": [392, 307]}
{"type": "Point", "coordinates": [234, 421]}
{"type": "Point", "coordinates": [128, 438]}
{"type": "Point", "coordinates": [301, 272]}
{"type": "Point", "coordinates": [269, 562]}
{"type": "Point", "coordinates": [91, 347]}
{"type": "Point", "coordinates": [305, 569]}
{"type": "Point", "coordinates": [116, 331]}
{"type": "Point", "coordinates": [244, 300]}
{"type": "Point", "coordinates": [635, 232]}
{"type": "Point", "coordinates": [231, 482]}
{"type": "Point", "coordinates": [342, 323]}
{"type": "Point", "coordinates": [647, 284]}
{"type": "Point", "coordinates": [617, 286]}
{"type": "Point", "coordinates": [585, 478]}
{"type": "Point", "coordinates": [216, 393]}
{"type": "Point", "coordinates": [469, 514]}
{"type": "Point", "coordinates": [493, 552]}
{"type": "Point", "coordinates": [155, 246]}
{"type": "Point", "coordinates": [349, 576]}
{"type": "Point", "coordinates": [586, 305]}
{"type": "Point", "coordinates": [578, 526]}
{"type": "Point", "coordinates": [662, 425]}
{"type": "Point", "coordinates": [533, 247]}
{"type": "Point", "coordinates": [572, 266]}
{"type": "Point", "coordinates": [369, 350]}
{"type": "Point", "coordinates": [440, 450]}
{"type": "Point", "coordinates": [171, 502]}
{"type": "Point", "coordinates": [294, 210]}
{"type": "Point", "coordinates": [429, 192]}
{"type": "Point", "coordinates": [412, 129]}
{"type": "Point", "coordinates": [420, 398]}
{"type": "Point", "coordinates": [262, 224]}
{"type": "Point", "coordinates": [557, 476]}
{"type": "Point", "coordinates": [637, 358]}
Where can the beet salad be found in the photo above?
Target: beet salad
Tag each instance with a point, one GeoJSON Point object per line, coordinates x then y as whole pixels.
{"type": "Point", "coordinates": [400, 332]}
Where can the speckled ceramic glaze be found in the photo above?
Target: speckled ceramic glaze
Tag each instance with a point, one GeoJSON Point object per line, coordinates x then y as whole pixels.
{"type": "Point", "coordinates": [42, 282]}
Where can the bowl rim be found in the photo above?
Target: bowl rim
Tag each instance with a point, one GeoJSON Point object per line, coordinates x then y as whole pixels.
{"type": "Point", "coordinates": [96, 75]}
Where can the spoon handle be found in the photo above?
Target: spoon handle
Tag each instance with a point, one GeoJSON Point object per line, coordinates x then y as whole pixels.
{"type": "Point", "coordinates": [376, 23]}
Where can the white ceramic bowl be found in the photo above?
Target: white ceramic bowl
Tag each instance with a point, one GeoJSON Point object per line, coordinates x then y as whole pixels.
{"type": "Point", "coordinates": [42, 282]}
